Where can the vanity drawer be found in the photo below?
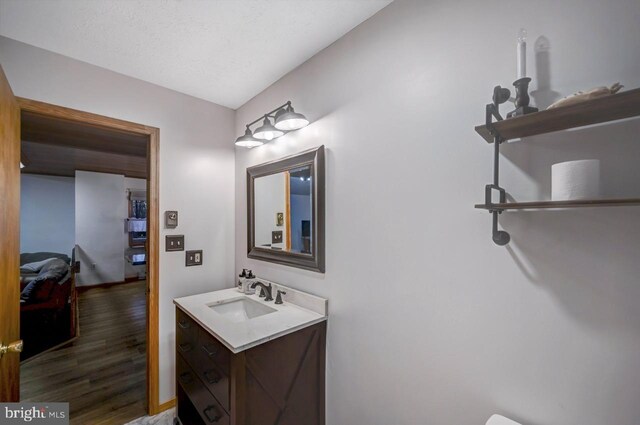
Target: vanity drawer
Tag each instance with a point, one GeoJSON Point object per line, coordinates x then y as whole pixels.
{"type": "Point", "coordinates": [185, 324]}
{"type": "Point", "coordinates": [186, 347]}
{"type": "Point", "coordinates": [184, 374]}
{"type": "Point", "coordinates": [186, 344]}
{"type": "Point", "coordinates": [215, 380]}
{"type": "Point", "coordinates": [212, 350]}
{"type": "Point", "coordinates": [207, 406]}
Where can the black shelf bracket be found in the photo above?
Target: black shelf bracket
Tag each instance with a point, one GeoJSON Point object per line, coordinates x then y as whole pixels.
{"type": "Point", "coordinates": [500, 95]}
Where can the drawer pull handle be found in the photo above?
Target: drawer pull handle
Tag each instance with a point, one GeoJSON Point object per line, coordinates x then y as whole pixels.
{"type": "Point", "coordinates": [186, 377]}
{"type": "Point", "coordinates": [209, 353]}
{"type": "Point", "coordinates": [212, 376]}
{"type": "Point", "coordinates": [212, 414]}
{"type": "Point", "coordinates": [183, 324]}
{"type": "Point", "coordinates": [184, 347]}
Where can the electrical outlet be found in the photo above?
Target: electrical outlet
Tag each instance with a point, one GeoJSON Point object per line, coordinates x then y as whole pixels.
{"type": "Point", "coordinates": [276, 236]}
{"type": "Point", "coordinates": [193, 258]}
{"type": "Point", "coordinates": [174, 243]}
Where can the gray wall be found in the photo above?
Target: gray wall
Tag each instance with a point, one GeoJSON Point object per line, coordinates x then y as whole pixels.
{"type": "Point", "coordinates": [196, 165]}
{"type": "Point", "coordinates": [430, 322]}
{"type": "Point", "coordinates": [100, 212]}
{"type": "Point", "coordinates": [270, 200]}
{"type": "Point", "coordinates": [47, 214]}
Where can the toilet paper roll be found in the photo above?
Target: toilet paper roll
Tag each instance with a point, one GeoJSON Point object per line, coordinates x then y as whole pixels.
{"type": "Point", "coordinates": [574, 180]}
{"type": "Point", "coordinates": [501, 420]}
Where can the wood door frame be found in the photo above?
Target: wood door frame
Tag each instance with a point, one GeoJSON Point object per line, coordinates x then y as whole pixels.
{"type": "Point", "coordinates": [287, 210]}
{"type": "Point", "coordinates": [10, 235]}
{"type": "Point", "coordinates": [153, 226]}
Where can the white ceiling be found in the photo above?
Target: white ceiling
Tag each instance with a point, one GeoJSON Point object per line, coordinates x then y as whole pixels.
{"type": "Point", "coordinates": [224, 51]}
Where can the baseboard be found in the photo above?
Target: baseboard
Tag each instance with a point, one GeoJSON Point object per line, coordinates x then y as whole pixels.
{"type": "Point", "coordinates": [133, 279]}
{"type": "Point", "coordinates": [167, 405]}
{"type": "Point", "coordinates": [107, 284]}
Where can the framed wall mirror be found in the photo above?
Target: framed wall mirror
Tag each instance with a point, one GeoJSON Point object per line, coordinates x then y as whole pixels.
{"type": "Point", "coordinates": [285, 211]}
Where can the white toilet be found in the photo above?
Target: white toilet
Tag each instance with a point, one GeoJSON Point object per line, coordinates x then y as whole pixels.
{"type": "Point", "coordinates": [501, 420]}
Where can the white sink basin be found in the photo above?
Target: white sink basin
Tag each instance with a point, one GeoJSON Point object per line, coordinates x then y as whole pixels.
{"type": "Point", "coordinates": [241, 309]}
{"type": "Point", "coordinates": [241, 321]}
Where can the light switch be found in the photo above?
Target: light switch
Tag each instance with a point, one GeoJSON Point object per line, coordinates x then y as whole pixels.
{"type": "Point", "coordinates": [174, 243]}
{"type": "Point", "coordinates": [276, 236]}
{"type": "Point", "coordinates": [171, 219]}
{"type": "Point", "coordinates": [194, 258]}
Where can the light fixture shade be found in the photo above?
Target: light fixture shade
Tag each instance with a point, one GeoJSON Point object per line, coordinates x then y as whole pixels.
{"type": "Point", "coordinates": [267, 131]}
{"type": "Point", "coordinates": [21, 165]}
{"type": "Point", "coordinates": [289, 120]}
{"type": "Point", "coordinates": [248, 141]}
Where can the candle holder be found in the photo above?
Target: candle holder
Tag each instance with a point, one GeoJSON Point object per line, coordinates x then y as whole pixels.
{"type": "Point", "coordinates": [522, 98]}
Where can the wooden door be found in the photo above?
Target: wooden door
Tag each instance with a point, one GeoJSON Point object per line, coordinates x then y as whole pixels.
{"type": "Point", "coordinates": [9, 240]}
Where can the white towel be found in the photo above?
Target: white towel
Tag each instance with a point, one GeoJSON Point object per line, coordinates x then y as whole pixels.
{"type": "Point", "coordinates": [137, 225]}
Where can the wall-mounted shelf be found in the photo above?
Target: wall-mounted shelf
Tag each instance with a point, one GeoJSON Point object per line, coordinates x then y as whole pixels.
{"type": "Point", "coordinates": [596, 111]}
{"type": "Point", "coordinates": [546, 205]}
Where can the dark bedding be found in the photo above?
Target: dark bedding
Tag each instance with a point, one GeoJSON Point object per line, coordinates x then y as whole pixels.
{"type": "Point", "coordinates": [32, 257]}
{"type": "Point", "coordinates": [40, 288]}
{"type": "Point", "coordinates": [46, 311]}
{"type": "Point", "coordinates": [32, 265]}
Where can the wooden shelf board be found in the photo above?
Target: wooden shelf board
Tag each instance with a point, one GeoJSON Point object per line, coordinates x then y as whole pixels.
{"type": "Point", "coordinates": [583, 203]}
{"type": "Point", "coordinates": [596, 111]}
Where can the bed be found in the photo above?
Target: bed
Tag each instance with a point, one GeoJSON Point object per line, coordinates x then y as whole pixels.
{"type": "Point", "coordinates": [48, 306]}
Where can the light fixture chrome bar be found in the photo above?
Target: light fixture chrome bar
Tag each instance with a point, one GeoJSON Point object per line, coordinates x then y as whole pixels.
{"type": "Point", "coordinates": [270, 114]}
{"type": "Point", "coordinates": [285, 119]}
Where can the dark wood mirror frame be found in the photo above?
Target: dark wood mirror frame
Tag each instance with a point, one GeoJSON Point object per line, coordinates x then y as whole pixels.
{"type": "Point", "coordinates": [314, 261]}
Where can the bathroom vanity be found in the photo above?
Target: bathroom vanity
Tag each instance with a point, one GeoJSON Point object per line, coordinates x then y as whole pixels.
{"type": "Point", "coordinates": [241, 360]}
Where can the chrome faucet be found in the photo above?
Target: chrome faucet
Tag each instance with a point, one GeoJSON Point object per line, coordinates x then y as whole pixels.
{"type": "Point", "coordinates": [266, 290]}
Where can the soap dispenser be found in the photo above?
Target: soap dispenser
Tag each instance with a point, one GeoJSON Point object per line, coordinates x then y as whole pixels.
{"type": "Point", "coordinates": [242, 277]}
{"type": "Point", "coordinates": [250, 280]}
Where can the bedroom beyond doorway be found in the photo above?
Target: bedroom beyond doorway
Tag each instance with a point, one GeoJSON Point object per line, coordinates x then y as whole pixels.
{"type": "Point", "coordinates": [88, 206]}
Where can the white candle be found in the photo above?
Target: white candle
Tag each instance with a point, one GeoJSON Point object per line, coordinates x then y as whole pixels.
{"type": "Point", "coordinates": [522, 54]}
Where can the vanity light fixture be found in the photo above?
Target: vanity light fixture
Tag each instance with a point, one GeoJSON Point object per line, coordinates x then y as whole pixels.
{"type": "Point", "coordinates": [248, 141]}
{"type": "Point", "coordinates": [285, 119]}
{"type": "Point", "coordinates": [267, 131]}
{"type": "Point", "coordinates": [21, 165]}
{"type": "Point", "coordinates": [289, 120]}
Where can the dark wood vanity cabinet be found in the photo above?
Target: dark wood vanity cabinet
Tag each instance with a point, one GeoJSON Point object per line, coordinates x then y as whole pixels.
{"type": "Point", "coordinates": [279, 382]}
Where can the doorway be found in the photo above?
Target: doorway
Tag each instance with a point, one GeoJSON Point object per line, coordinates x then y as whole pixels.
{"type": "Point", "coordinates": [12, 109]}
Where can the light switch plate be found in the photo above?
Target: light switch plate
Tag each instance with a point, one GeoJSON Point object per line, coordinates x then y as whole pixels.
{"type": "Point", "coordinates": [174, 243]}
{"type": "Point", "coordinates": [171, 219]}
{"type": "Point", "coordinates": [276, 236]}
{"type": "Point", "coordinates": [194, 258]}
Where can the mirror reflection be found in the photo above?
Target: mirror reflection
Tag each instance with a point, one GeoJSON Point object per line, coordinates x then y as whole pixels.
{"type": "Point", "coordinates": [283, 211]}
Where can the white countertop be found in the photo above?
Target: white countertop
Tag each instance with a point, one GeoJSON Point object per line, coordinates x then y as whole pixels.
{"type": "Point", "coordinates": [298, 311]}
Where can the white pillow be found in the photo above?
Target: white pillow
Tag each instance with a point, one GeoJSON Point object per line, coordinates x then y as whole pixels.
{"type": "Point", "coordinates": [34, 267]}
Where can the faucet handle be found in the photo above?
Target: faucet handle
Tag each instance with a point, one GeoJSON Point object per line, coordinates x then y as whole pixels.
{"type": "Point", "coordinates": [279, 296]}
{"type": "Point", "coordinates": [269, 292]}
